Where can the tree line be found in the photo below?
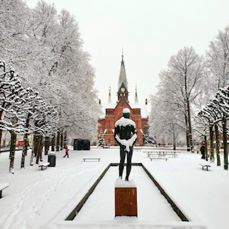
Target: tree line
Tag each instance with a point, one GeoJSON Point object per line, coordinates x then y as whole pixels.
{"type": "Point", "coordinates": [54, 90]}
{"type": "Point", "coordinates": [185, 88]}
{"type": "Point", "coordinates": [213, 122]}
{"type": "Point", "coordinates": [24, 111]}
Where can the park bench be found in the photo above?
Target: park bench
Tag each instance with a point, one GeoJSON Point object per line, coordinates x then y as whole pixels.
{"type": "Point", "coordinates": [205, 166]}
{"type": "Point", "coordinates": [172, 153]}
{"type": "Point", "coordinates": [91, 159]}
{"type": "Point", "coordinates": [44, 165]}
{"type": "Point", "coordinates": [161, 153]}
{"type": "Point", "coordinates": [2, 187]}
{"type": "Point", "coordinates": [157, 156]}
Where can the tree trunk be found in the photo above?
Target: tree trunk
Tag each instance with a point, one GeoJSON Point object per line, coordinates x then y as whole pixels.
{"type": "Point", "coordinates": [39, 149]}
{"type": "Point", "coordinates": [36, 143]}
{"type": "Point", "coordinates": [24, 151]}
{"type": "Point", "coordinates": [211, 143]}
{"type": "Point", "coordinates": [32, 153]}
{"type": "Point", "coordinates": [62, 140]}
{"type": "Point", "coordinates": [174, 139]}
{"type": "Point", "coordinates": [187, 133]}
{"type": "Point", "coordinates": [189, 126]}
{"type": "Point", "coordinates": [187, 111]}
{"type": "Point", "coordinates": [65, 138]}
{"type": "Point", "coordinates": [26, 143]}
{"type": "Point", "coordinates": [53, 143]}
{"type": "Point", "coordinates": [217, 146]}
{"type": "Point", "coordinates": [41, 146]}
{"type": "Point", "coordinates": [58, 141]}
{"type": "Point", "coordinates": [206, 147]}
{"type": "Point", "coordinates": [0, 139]}
{"type": "Point", "coordinates": [47, 144]}
{"type": "Point", "coordinates": [1, 112]}
{"type": "Point", "coordinates": [12, 150]}
{"type": "Point", "coordinates": [225, 154]}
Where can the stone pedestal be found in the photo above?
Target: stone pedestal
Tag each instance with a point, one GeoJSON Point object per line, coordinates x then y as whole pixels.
{"type": "Point", "coordinates": [125, 198]}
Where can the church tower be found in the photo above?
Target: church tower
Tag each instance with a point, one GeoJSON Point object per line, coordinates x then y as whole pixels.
{"type": "Point", "coordinates": [112, 113]}
{"type": "Point", "coordinates": [109, 96]}
{"type": "Point", "coordinates": [136, 96]}
{"type": "Point", "coordinates": [122, 82]}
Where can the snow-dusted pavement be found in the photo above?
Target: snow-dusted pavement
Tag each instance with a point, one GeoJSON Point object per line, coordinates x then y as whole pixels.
{"type": "Point", "coordinates": [43, 199]}
{"type": "Point", "coordinates": [151, 204]}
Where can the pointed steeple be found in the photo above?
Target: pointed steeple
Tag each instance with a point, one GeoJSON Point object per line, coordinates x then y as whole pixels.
{"type": "Point", "coordinates": [122, 82]}
{"type": "Point", "coordinates": [109, 96]}
{"type": "Point", "coordinates": [136, 96]}
{"type": "Point", "coordinates": [122, 75]}
{"type": "Point", "coordinates": [146, 107]}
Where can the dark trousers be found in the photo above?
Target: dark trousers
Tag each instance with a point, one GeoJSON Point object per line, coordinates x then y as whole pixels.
{"type": "Point", "coordinates": [123, 154]}
{"type": "Point", "coordinates": [66, 154]}
{"type": "Point", "coordinates": [203, 155]}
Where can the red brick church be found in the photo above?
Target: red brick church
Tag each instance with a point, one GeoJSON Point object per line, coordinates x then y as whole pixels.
{"type": "Point", "coordinates": [112, 114]}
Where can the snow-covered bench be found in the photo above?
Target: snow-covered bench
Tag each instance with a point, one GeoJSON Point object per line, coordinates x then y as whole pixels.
{"type": "Point", "coordinates": [91, 159]}
{"type": "Point", "coordinates": [151, 157]}
{"type": "Point", "coordinates": [161, 153]}
{"type": "Point", "coordinates": [2, 187]}
{"type": "Point", "coordinates": [205, 166]}
{"type": "Point", "coordinates": [171, 153]}
{"type": "Point", "coordinates": [44, 165]}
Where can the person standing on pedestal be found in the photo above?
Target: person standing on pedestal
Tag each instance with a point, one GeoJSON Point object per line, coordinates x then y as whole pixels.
{"type": "Point", "coordinates": [125, 135]}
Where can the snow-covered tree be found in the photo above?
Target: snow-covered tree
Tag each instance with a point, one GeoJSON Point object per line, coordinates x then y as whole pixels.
{"type": "Point", "coordinates": [218, 59]}
{"type": "Point", "coordinates": [186, 71]}
{"type": "Point", "coordinates": [178, 89]}
{"type": "Point", "coordinates": [217, 111]}
{"type": "Point", "coordinates": [52, 61]}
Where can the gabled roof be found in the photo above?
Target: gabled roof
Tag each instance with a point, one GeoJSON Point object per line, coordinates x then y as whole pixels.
{"type": "Point", "coordinates": [123, 100]}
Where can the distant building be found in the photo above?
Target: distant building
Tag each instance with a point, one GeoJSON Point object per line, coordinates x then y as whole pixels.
{"type": "Point", "coordinates": [113, 113]}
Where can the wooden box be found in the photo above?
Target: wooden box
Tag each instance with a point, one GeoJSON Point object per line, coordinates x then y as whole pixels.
{"type": "Point", "coordinates": [125, 200]}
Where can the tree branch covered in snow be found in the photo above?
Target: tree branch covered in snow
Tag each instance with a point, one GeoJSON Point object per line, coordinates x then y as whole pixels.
{"type": "Point", "coordinates": [177, 92]}
{"type": "Point", "coordinates": [46, 49]}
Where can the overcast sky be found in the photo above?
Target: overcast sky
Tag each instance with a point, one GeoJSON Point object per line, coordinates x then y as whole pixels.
{"type": "Point", "coordinates": [149, 31]}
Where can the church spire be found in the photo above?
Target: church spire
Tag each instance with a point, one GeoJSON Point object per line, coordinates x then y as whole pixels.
{"type": "Point", "coordinates": [122, 74]}
{"type": "Point", "coordinates": [122, 82]}
{"type": "Point", "coordinates": [136, 96]}
{"type": "Point", "coordinates": [109, 96]}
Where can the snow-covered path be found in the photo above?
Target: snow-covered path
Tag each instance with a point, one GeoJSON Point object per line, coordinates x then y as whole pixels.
{"type": "Point", "coordinates": [43, 199]}
{"type": "Point", "coordinates": [152, 206]}
{"type": "Point", "coordinates": [37, 196]}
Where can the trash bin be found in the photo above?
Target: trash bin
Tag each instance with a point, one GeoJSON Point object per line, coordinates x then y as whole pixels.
{"type": "Point", "coordinates": [52, 159]}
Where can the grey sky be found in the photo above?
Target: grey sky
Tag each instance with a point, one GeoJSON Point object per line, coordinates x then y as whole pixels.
{"type": "Point", "coordinates": [149, 31]}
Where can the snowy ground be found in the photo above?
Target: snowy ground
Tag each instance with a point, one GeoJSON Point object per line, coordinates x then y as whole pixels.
{"type": "Point", "coordinates": [43, 199]}
{"type": "Point", "coordinates": [156, 207]}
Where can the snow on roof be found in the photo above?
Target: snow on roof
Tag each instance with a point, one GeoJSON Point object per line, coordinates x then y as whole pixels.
{"type": "Point", "coordinates": [105, 106]}
{"type": "Point", "coordinates": [122, 75]}
{"type": "Point", "coordinates": [145, 109]}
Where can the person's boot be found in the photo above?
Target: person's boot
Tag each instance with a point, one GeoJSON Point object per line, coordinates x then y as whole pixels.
{"type": "Point", "coordinates": [127, 179]}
